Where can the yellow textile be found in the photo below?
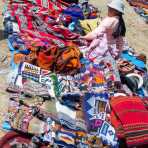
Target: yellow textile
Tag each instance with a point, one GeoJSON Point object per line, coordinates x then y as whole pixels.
{"type": "Point", "coordinates": [90, 24]}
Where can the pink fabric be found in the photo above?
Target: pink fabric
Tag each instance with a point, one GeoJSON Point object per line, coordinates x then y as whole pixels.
{"type": "Point", "coordinates": [102, 40]}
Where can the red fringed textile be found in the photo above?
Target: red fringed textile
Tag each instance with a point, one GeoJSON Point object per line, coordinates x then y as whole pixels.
{"type": "Point", "coordinates": [145, 101]}
{"type": "Point", "coordinates": [130, 119]}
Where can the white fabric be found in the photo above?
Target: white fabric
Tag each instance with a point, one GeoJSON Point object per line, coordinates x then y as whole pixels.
{"type": "Point", "coordinates": [64, 109]}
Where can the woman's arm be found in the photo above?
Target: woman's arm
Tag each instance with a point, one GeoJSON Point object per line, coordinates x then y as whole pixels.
{"type": "Point", "coordinates": [90, 36]}
{"type": "Point", "coordinates": [99, 31]}
{"type": "Point", "coordinates": [120, 43]}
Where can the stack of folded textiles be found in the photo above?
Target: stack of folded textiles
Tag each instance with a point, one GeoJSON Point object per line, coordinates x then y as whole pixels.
{"type": "Point", "coordinates": [130, 118]}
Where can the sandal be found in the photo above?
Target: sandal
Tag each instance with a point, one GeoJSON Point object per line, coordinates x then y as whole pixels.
{"type": "Point", "coordinates": [12, 88]}
{"type": "Point", "coordinates": [142, 57]}
{"type": "Point", "coordinates": [125, 67]}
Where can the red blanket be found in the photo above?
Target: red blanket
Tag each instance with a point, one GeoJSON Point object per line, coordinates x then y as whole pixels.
{"type": "Point", "coordinates": [130, 119]}
{"type": "Point", "coordinates": [34, 20]}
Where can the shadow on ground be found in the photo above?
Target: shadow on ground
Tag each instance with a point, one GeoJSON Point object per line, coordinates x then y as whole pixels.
{"type": "Point", "coordinates": [2, 37]}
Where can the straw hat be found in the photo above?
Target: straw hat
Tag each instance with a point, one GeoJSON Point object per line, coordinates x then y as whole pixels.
{"type": "Point", "coordinates": [117, 5]}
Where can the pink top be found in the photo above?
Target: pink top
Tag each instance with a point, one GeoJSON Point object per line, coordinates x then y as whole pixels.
{"type": "Point", "coordinates": [102, 39]}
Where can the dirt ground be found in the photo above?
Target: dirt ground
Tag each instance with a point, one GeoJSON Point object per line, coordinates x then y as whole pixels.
{"type": "Point", "coordinates": [137, 36]}
{"type": "Point", "coordinates": [3, 51]}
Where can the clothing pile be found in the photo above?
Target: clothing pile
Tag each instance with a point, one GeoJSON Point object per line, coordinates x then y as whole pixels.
{"type": "Point", "coordinates": [58, 96]}
{"type": "Point", "coordinates": [140, 7]}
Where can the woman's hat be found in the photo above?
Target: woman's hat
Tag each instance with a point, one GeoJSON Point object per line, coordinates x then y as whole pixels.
{"type": "Point", "coordinates": [117, 5]}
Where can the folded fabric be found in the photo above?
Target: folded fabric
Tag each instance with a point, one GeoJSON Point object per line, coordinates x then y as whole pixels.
{"type": "Point", "coordinates": [72, 101]}
{"type": "Point", "coordinates": [108, 134]}
{"type": "Point", "coordinates": [13, 88]}
{"type": "Point", "coordinates": [67, 137]}
{"type": "Point", "coordinates": [35, 89]}
{"type": "Point", "coordinates": [95, 106]}
{"type": "Point", "coordinates": [66, 84]}
{"type": "Point", "coordinates": [125, 67]}
{"type": "Point", "coordinates": [134, 60]}
{"type": "Point", "coordinates": [16, 41]}
{"type": "Point", "coordinates": [89, 24]}
{"type": "Point", "coordinates": [28, 119]}
{"type": "Point", "coordinates": [68, 59]}
{"type": "Point", "coordinates": [75, 11]}
{"type": "Point", "coordinates": [45, 61]}
{"type": "Point", "coordinates": [19, 117]}
{"type": "Point", "coordinates": [130, 119]}
{"type": "Point", "coordinates": [70, 1]}
{"type": "Point", "coordinates": [13, 139]}
{"type": "Point", "coordinates": [34, 23]}
{"type": "Point", "coordinates": [145, 100]}
{"type": "Point", "coordinates": [65, 110]}
{"type": "Point", "coordinates": [91, 77]}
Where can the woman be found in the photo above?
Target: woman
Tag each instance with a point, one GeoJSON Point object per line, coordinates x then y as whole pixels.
{"type": "Point", "coordinates": [108, 37]}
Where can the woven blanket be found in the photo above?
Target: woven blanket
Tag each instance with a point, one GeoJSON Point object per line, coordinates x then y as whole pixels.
{"type": "Point", "coordinates": [33, 18]}
{"type": "Point", "coordinates": [95, 106]}
{"type": "Point", "coordinates": [130, 119]}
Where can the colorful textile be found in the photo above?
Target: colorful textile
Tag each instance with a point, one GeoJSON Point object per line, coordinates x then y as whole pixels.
{"type": "Point", "coordinates": [60, 95]}
{"type": "Point", "coordinates": [75, 12]}
{"type": "Point", "coordinates": [67, 137]}
{"type": "Point", "coordinates": [95, 107]}
{"type": "Point", "coordinates": [91, 77]}
{"type": "Point", "coordinates": [32, 88]}
{"type": "Point", "coordinates": [13, 139]}
{"type": "Point", "coordinates": [45, 80]}
{"type": "Point", "coordinates": [70, 118]}
{"type": "Point", "coordinates": [19, 117]}
{"type": "Point", "coordinates": [22, 116]}
{"type": "Point", "coordinates": [130, 119]}
{"type": "Point", "coordinates": [145, 100]}
{"type": "Point", "coordinates": [33, 21]}
{"type": "Point", "coordinates": [66, 84]}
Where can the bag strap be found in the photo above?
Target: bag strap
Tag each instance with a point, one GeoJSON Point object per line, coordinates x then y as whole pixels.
{"type": "Point", "coordinates": [89, 27]}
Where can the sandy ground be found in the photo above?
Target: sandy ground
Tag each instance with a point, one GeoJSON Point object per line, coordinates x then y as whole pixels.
{"type": "Point", "coordinates": [3, 95]}
{"type": "Point", "coordinates": [137, 35]}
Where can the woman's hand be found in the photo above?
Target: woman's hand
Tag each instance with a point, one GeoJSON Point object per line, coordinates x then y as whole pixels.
{"type": "Point", "coordinates": [84, 42]}
{"type": "Point", "coordinates": [82, 37]}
